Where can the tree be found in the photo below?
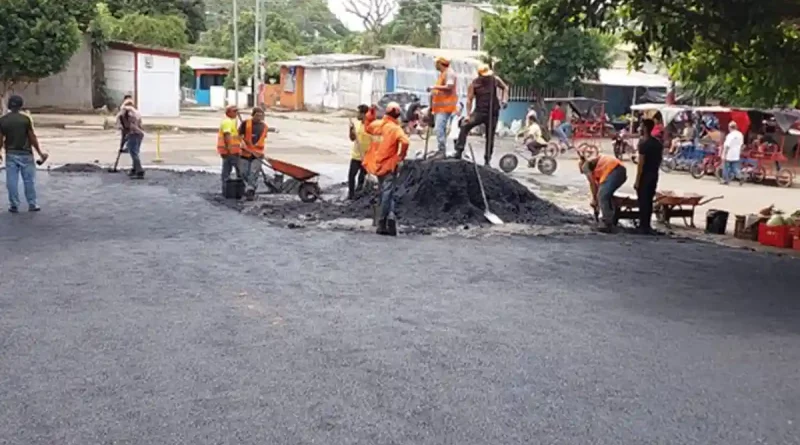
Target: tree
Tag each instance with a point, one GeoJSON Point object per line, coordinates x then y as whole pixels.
{"type": "Point", "coordinates": [37, 39]}
{"type": "Point", "coordinates": [373, 13]}
{"type": "Point", "coordinates": [166, 31]}
{"type": "Point", "coordinates": [751, 41]}
{"type": "Point", "coordinates": [193, 12]}
{"type": "Point", "coordinates": [533, 56]}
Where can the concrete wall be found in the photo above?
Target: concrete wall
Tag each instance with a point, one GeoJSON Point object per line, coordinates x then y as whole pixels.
{"type": "Point", "coordinates": [342, 88]}
{"type": "Point", "coordinates": [70, 89]}
{"type": "Point", "coordinates": [119, 72]}
{"type": "Point", "coordinates": [158, 85]}
{"type": "Point", "coordinates": [459, 24]}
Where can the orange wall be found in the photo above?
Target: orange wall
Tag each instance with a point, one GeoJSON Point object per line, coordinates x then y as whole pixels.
{"type": "Point", "coordinates": [271, 95]}
{"type": "Point", "coordinates": [292, 101]}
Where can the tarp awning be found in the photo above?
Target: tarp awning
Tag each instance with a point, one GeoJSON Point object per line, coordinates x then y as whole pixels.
{"type": "Point", "coordinates": [625, 78]}
{"type": "Point", "coordinates": [668, 112]}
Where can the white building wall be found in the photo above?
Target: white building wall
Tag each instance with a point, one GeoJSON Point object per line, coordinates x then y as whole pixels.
{"type": "Point", "coordinates": [314, 92]}
{"type": "Point", "coordinates": [70, 89]}
{"type": "Point", "coordinates": [158, 86]}
{"type": "Point", "coordinates": [342, 88]}
{"type": "Point", "coordinates": [460, 22]}
{"type": "Point", "coordinates": [349, 87]}
{"type": "Point", "coordinates": [120, 75]}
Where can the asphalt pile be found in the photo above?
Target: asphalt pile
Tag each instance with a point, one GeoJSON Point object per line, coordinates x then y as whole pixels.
{"type": "Point", "coordinates": [437, 194]}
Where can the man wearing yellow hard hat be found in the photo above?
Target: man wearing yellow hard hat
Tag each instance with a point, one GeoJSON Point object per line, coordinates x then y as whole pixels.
{"type": "Point", "coordinates": [444, 101]}
{"type": "Point", "coordinates": [490, 94]}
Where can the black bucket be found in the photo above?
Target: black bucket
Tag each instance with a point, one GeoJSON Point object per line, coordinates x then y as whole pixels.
{"type": "Point", "coordinates": [716, 221]}
{"type": "Point", "coordinates": [234, 189]}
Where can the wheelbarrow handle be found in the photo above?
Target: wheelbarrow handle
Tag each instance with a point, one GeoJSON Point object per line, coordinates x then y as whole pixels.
{"type": "Point", "coordinates": [706, 201]}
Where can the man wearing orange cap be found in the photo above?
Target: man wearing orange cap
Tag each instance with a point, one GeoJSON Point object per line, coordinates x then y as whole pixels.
{"type": "Point", "coordinates": [387, 151]}
{"type": "Point", "coordinates": [483, 91]}
{"type": "Point", "coordinates": [444, 101]}
{"type": "Point", "coordinates": [229, 145]}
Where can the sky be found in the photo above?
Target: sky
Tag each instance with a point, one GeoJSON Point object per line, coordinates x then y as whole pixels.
{"type": "Point", "coordinates": [349, 20]}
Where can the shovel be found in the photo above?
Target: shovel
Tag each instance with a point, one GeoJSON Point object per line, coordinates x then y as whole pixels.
{"type": "Point", "coordinates": [491, 217]}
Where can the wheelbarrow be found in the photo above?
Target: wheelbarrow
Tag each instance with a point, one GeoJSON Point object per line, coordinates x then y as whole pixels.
{"type": "Point", "coordinates": [308, 189]}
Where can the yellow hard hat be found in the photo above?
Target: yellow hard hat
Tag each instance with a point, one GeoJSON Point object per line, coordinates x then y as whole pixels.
{"type": "Point", "coordinates": [392, 106]}
{"type": "Point", "coordinates": [484, 70]}
{"type": "Point", "coordinates": [442, 60]}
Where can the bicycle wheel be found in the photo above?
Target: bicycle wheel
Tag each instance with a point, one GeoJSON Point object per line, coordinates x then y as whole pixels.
{"type": "Point", "coordinates": [697, 170]}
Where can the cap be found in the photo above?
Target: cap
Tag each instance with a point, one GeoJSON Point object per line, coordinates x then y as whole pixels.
{"type": "Point", "coordinates": [484, 70]}
{"type": "Point", "coordinates": [392, 106]}
{"type": "Point", "coordinates": [15, 102]}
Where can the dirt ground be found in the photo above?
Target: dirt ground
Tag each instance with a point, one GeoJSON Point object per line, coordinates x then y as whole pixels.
{"type": "Point", "coordinates": [320, 143]}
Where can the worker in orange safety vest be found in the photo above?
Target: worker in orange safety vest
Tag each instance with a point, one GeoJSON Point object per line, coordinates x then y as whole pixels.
{"type": "Point", "coordinates": [605, 174]}
{"type": "Point", "coordinates": [229, 145]}
{"type": "Point", "coordinates": [254, 140]}
{"type": "Point", "coordinates": [386, 152]}
{"type": "Point", "coordinates": [444, 102]}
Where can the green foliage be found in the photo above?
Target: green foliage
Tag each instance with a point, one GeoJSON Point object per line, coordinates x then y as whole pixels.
{"type": "Point", "coordinates": [187, 76]}
{"type": "Point", "coordinates": [534, 56]}
{"type": "Point", "coordinates": [165, 31]}
{"type": "Point", "coordinates": [37, 39]}
{"type": "Point", "coordinates": [740, 51]}
{"type": "Point", "coordinates": [416, 23]}
{"type": "Point", "coordinates": [191, 11]}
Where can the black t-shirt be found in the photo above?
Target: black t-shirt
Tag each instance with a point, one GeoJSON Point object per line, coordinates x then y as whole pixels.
{"type": "Point", "coordinates": [653, 151]}
{"type": "Point", "coordinates": [485, 89]}
{"type": "Point", "coordinates": [258, 127]}
{"type": "Point", "coordinates": [15, 127]}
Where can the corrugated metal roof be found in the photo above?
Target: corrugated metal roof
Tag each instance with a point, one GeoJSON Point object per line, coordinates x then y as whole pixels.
{"type": "Point", "coordinates": [452, 54]}
{"type": "Point", "coordinates": [208, 63]}
{"type": "Point", "coordinates": [625, 78]}
{"type": "Point", "coordinates": [336, 60]}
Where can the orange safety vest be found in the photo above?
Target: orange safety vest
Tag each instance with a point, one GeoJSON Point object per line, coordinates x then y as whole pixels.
{"type": "Point", "coordinates": [235, 144]}
{"type": "Point", "coordinates": [605, 165]}
{"type": "Point", "coordinates": [388, 148]}
{"type": "Point", "coordinates": [442, 101]}
{"type": "Point", "coordinates": [258, 147]}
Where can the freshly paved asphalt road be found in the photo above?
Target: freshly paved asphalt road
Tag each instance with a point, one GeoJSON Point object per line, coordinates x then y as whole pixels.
{"type": "Point", "coordinates": [142, 314]}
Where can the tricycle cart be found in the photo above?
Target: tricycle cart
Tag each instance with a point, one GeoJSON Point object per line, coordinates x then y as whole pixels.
{"type": "Point", "coordinates": [588, 121]}
{"type": "Point", "coordinates": [537, 157]}
{"type": "Point", "coordinates": [767, 159]}
{"type": "Point", "coordinates": [303, 180]}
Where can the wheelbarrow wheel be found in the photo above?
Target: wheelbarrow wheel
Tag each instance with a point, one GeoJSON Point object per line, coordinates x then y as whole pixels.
{"type": "Point", "coordinates": [784, 178]}
{"type": "Point", "coordinates": [547, 165]}
{"type": "Point", "coordinates": [309, 191]}
{"type": "Point", "coordinates": [508, 163]}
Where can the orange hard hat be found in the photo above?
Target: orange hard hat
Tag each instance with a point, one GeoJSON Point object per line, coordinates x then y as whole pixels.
{"type": "Point", "coordinates": [484, 70]}
{"type": "Point", "coordinates": [393, 106]}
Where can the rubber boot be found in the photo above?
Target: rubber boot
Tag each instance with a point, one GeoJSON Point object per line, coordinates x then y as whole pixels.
{"type": "Point", "coordinates": [391, 227]}
{"type": "Point", "coordinates": [382, 229]}
{"type": "Point", "coordinates": [250, 195]}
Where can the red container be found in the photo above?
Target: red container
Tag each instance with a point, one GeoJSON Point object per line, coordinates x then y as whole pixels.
{"type": "Point", "coordinates": [795, 235]}
{"type": "Point", "coordinates": [778, 236]}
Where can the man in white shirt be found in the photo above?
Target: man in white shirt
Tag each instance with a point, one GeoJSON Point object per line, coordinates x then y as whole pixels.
{"type": "Point", "coordinates": [732, 153]}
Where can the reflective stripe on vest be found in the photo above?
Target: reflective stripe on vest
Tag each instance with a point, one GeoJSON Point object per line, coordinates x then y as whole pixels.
{"type": "Point", "coordinates": [443, 102]}
{"type": "Point", "coordinates": [605, 165]}
{"type": "Point", "coordinates": [235, 144]}
{"type": "Point", "coordinates": [258, 148]}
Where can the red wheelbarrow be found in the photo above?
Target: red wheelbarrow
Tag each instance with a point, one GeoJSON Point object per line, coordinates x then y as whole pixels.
{"type": "Point", "coordinates": [308, 188]}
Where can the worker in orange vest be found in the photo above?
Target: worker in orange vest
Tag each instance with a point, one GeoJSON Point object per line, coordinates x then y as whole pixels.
{"type": "Point", "coordinates": [387, 151]}
{"type": "Point", "coordinates": [229, 145]}
{"type": "Point", "coordinates": [444, 102]}
{"type": "Point", "coordinates": [606, 174]}
{"type": "Point", "coordinates": [254, 140]}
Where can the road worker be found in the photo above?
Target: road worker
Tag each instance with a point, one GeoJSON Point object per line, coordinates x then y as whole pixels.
{"type": "Point", "coordinates": [387, 150]}
{"type": "Point", "coordinates": [483, 91]}
{"type": "Point", "coordinates": [605, 174]}
{"type": "Point", "coordinates": [229, 145]}
{"type": "Point", "coordinates": [361, 142]}
{"type": "Point", "coordinates": [444, 102]}
{"type": "Point", "coordinates": [254, 140]}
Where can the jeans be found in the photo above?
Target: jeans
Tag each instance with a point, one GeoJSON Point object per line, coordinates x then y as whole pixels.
{"type": "Point", "coordinates": [133, 144]}
{"type": "Point", "coordinates": [479, 118]}
{"type": "Point", "coordinates": [605, 194]}
{"type": "Point", "coordinates": [440, 124]}
{"type": "Point", "coordinates": [560, 133]}
{"type": "Point", "coordinates": [20, 164]}
{"type": "Point", "coordinates": [386, 186]}
{"type": "Point", "coordinates": [356, 169]}
{"type": "Point", "coordinates": [250, 169]}
{"type": "Point", "coordinates": [645, 195]}
{"type": "Point", "coordinates": [229, 163]}
{"type": "Point", "coordinates": [731, 167]}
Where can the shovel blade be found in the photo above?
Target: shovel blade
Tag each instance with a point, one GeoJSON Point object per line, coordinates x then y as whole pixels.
{"type": "Point", "coordinates": [492, 218]}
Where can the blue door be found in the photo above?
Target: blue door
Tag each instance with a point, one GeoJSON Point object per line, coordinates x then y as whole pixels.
{"type": "Point", "coordinates": [390, 82]}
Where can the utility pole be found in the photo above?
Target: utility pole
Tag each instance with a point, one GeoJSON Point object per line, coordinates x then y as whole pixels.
{"type": "Point", "coordinates": [256, 59]}
{"type": "Point", "coordinates": [236, 51]}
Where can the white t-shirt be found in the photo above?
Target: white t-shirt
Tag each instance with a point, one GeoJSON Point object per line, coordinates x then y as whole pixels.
{"type": "Point", "coordinates": [733, 145]}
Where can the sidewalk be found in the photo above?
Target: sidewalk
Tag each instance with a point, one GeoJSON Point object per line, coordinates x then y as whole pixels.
{"type": "Point", "coordinates": [190, 120]}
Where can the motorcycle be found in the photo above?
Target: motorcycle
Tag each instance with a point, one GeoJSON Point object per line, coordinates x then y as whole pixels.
{"type": "Point", "coordinates": [622, 146]}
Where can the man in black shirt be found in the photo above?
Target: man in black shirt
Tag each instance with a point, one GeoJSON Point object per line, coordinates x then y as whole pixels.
{"type": "Point", "coordinates": [483, 90]}
{"type": "Point", "coordinates": [651, 152]}
{"type": "Point", "coordinates": [18, 138]}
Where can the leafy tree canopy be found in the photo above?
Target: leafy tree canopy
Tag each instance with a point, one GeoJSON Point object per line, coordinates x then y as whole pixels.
{"type": "Point", "coordinates": [738, 50]}
{"type": "Point", "coordinates": [192, 12]}
{"type": "Point", "coordinates": [37, 39]}
{"type": "Point", "coordinates": [166, 31]}
{"type": "Point", "coordinates": [535, 56]}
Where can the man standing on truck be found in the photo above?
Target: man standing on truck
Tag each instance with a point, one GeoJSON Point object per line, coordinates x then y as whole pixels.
{"type": "Point", "coordinates": [444, 101]}
{"type": "Point", "coordinates": [483, 91]}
